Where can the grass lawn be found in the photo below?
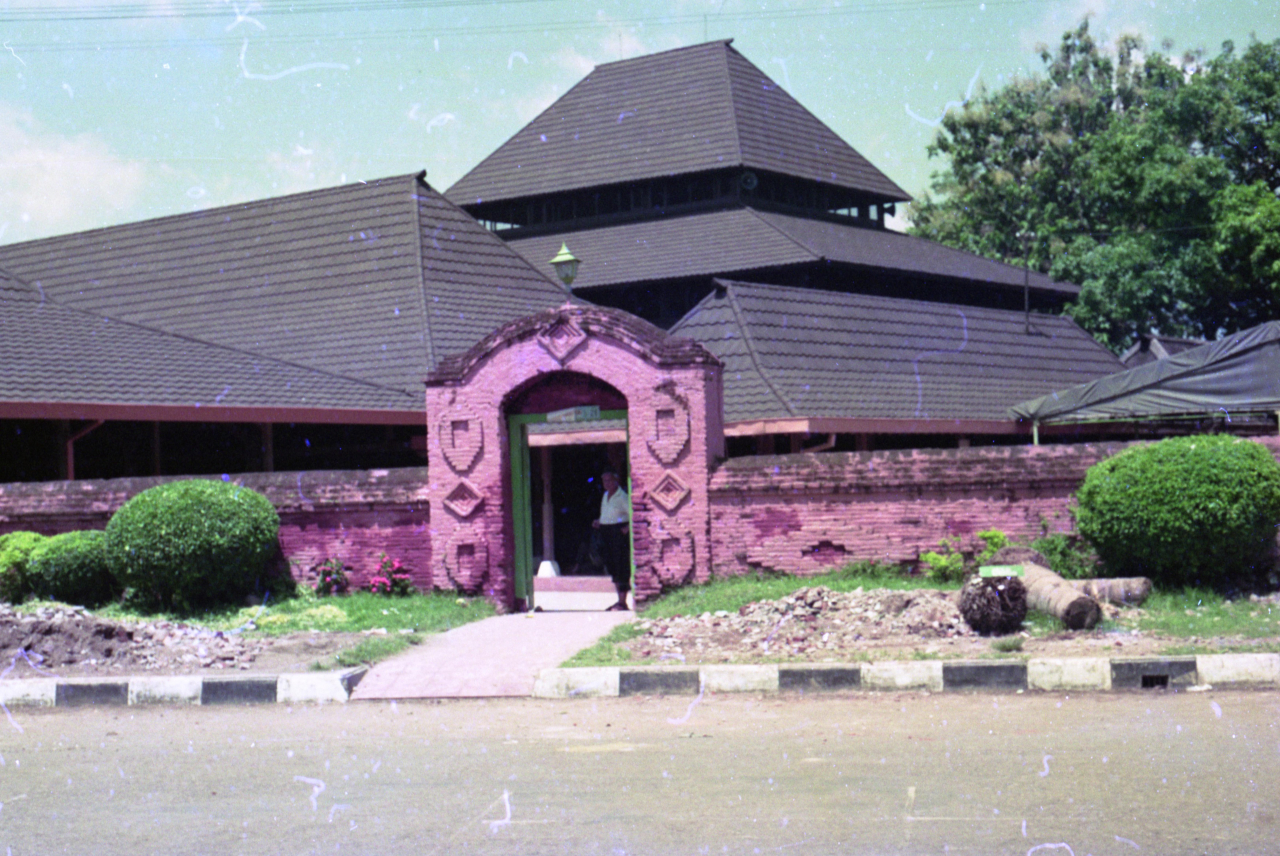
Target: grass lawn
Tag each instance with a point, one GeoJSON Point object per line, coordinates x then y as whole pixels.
{"type": "Point", "coordinates": [423, 613]}
{"type": "Point", "coordinates": [733, 593]}
{"type": "Point", "coordinates": [1192, 616]}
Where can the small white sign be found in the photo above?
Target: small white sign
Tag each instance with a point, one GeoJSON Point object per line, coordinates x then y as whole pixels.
{"type": "Point", "coordinates": [590, 413]}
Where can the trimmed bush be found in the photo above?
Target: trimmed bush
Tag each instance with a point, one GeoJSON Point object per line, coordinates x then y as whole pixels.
{"type": "Point", "coordinates": [193, 544]}
{"type": "Point", "coordinates": [72, 568]}
{"type": "Point", "coordinates": [1185, 510]}
{"type": "Point", "coordinates": [15, 573]}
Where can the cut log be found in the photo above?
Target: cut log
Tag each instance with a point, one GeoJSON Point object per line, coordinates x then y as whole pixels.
{"type": "Point", "coordinates": [1122, 591]}
{"type": "Point", "coordinates": [1048, 592]}
{"type": "Point", "coordinates": [994, 604]}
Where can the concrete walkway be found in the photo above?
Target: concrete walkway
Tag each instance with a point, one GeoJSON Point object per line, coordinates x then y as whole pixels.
{"type": "Point", "coordinates": [499, 656]}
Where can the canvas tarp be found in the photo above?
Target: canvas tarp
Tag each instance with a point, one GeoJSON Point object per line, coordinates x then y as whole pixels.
{"type": "Point", "coordinates": [1239, 373]}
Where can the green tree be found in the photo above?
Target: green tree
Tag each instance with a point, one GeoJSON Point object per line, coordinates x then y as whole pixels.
{"type": "Point", "coordinates": [1149, 183]}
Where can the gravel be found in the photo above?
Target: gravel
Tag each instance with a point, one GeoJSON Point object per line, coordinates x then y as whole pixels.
{"type": "Point", "coordinates": [62, 637]}
{"type": "Point", "coordinates": [811, 624]}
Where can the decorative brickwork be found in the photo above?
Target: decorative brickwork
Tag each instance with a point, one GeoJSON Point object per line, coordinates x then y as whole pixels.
{"type": "Point", "coordinates": [672, 392]}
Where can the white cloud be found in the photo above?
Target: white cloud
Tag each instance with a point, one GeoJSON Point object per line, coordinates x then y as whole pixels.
{"type": "Point", "coordinates": [51, 183]}
{"type": "Point", "coordinates": [618, 42]}
{"type": "Point", "coordinates": [1108, 20]}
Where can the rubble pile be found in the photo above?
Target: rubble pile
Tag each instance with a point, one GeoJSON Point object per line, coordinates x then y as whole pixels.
{"type": "Point", "coordinates": [64, 638]}
{"type": "Point", "coordinates": [812, 623]}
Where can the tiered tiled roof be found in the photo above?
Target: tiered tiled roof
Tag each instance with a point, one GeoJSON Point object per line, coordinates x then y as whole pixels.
{"type": "Point", "coordinates": [791, 352]}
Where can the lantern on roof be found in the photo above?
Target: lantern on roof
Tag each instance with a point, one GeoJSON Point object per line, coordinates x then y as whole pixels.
{"type": "Point", "coordinates": [566, 265]}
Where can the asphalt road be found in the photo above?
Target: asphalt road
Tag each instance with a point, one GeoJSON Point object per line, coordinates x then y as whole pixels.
{"type": "Point", "coordinates": [906, 773]}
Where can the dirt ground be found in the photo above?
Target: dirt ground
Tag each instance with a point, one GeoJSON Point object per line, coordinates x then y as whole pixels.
{"type": "Point", "coordinates": [69, 642]}
{"type": "Point", "coordinates": [819, 625]}
{"type": "Point", "coordinates": [812, 625]}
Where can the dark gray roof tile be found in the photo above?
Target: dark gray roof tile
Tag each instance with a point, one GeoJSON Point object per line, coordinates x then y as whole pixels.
{"type": "Point", "coordinates": [738, 240]}
{"type": "Point", "coordinates": [682, 111]}
{"type": "Point", "coordinates": [50, 353]}
{"type": "Point", "coordinates": [377, 280]}
{"type": "Point", "coordinates": [806, 353]}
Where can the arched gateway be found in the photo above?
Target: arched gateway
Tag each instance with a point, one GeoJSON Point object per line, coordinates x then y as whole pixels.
{"type": "Point", "coordinates": [612, 385]}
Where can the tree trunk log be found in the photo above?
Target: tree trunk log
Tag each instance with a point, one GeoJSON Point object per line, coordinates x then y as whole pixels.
{"type": "Point", "coordinates": [994, 604]}
{"type": "Point", "coordinates": [1048, 592]}
{"type": "Point", "coordinates": [1122, 591]}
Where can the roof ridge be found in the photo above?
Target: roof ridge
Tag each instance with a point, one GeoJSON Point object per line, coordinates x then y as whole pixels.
{"type": "Point", "coordinates": [22, 284]}
{"type": "Point", "coordinates": [733, 107]}
{"type": "Point", "coordinates": [751, 347]}
{"type": "Point", "coordinates": [784, 234]}
{"type": "Point", "coordinates": [204, 212]}
{"type": "Point", "coordinates": [725, 42]}
{"type": "Point", "coordinates": [428, 337]}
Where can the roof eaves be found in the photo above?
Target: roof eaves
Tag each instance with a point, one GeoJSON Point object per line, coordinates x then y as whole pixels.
{"type": "Point", "coordinates": [751, 347]}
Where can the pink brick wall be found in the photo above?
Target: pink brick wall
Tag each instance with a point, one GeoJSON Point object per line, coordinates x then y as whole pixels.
{"type": "Point", "coordinates": [795, 514]}
{"type": "Point", "coordinates": [352, 515]}
{"type": "Point", "coordinates": [800, 514]}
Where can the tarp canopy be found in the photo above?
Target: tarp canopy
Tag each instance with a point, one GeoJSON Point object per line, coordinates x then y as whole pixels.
{"type": "Point", "coordinates": [1240, 373]}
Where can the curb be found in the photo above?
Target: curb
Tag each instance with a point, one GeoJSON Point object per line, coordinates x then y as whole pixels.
{"type": "Point", "coordinates": [1051, 674]}
{"type": "Point", "coordinates": [299, 688]}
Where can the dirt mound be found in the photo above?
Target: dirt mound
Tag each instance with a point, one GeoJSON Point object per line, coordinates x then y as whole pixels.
{"type": "Point", "coordinates": [70, 639]}
{"type": "Point", "coordinates": [812, 623]}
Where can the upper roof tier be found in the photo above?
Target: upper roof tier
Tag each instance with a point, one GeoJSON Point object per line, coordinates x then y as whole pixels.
{"type": "Point", "coordinates": [704, 107]}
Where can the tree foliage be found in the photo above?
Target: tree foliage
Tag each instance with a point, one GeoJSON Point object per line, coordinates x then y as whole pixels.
{"type": "Point", "coordinates": [1151, 183]}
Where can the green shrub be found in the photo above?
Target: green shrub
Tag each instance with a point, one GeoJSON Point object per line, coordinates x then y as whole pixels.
{"type": "Point", "coordinates": [15, 574]}
{"type": "Point", "coordinates": [193, 544]}
{"type": "Point", "coordinates": [72, 568]}
{"type": "Point", "coordinates": [1182, 510]}
{"type": "Point", "coordinates": [947, 567]}
{"type": "Point", "coordinates": [995, 541]}
{"type": "Point", "coordinates": [1069, 556]}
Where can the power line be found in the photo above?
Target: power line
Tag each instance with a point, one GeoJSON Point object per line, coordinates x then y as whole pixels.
{"type": "Point", "coordinates": [202, 9]}
{"type": "Point", "coordinates": [558, 25]}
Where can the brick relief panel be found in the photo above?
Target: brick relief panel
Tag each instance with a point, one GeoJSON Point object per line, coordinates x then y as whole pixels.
{"type": "Point", "coordinates": [461, 436]}
{"type": "Point", "coordinates": [669, 436]}
{"type": "Point", "coordinates": [466, 558]}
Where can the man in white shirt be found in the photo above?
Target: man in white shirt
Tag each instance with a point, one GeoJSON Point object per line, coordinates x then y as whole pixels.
{"type": "Point", "coordinates": [613, 523]}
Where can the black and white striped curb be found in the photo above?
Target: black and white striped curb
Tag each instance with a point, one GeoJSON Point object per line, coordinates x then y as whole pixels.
{"type": "Point", "coordinates": [181, 689]}
{"type": "Point", "coordinates": [1043, 673]}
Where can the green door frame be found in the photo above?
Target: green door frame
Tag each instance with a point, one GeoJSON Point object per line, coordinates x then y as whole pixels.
{"type": "Point", "coordinates": [522, 495]}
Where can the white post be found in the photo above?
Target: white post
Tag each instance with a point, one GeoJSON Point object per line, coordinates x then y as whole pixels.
{"type": "Point", "coordinates": [549, 566]}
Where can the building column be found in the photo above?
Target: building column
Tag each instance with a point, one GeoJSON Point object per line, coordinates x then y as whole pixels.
{"type": "Point", "coordinates": [155, 449]}
{"type": "Point", "coordinates": [268, 448]}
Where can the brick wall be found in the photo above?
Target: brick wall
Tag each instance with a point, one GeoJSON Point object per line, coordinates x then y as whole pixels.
{"type": "Point", "coordinates": [353, 515]}
{"type": "Point", "coordinates": [796, 514]}
{"type": "Point", "coordinates": [800, 514]}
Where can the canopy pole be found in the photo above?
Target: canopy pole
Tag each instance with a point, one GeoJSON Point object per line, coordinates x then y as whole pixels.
{"type": "Point", "coordinates": [1035, 432]}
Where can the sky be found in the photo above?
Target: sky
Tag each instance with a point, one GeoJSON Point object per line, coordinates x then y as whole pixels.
{"type": "Point", "coordinates": [114, 111]}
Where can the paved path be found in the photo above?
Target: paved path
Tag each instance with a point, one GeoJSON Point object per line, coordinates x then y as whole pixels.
{"type": "Point", "coordinates": [498, 656]}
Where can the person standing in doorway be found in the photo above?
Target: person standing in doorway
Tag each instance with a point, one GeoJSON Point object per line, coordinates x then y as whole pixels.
{"type": "Point", "coordinates": [614, 523]}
